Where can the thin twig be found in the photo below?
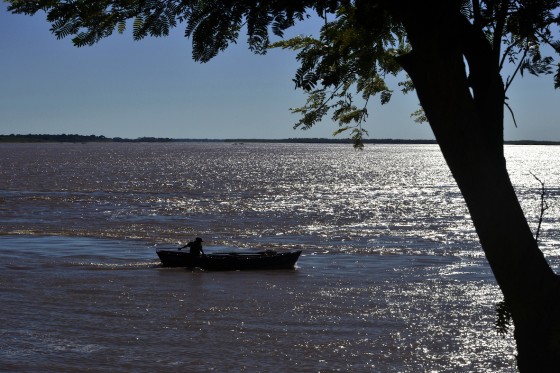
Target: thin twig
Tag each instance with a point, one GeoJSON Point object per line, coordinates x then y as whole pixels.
{"type": "Point", "coordinates": [544, 206]}
{"type": "Point", "coordinates": [512, 115]}
{"type": "Point", "coordinates": [509, 80]}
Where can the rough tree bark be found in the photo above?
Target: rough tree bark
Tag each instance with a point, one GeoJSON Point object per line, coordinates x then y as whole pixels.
{"type": "Point", "coordinates": [466, 116]}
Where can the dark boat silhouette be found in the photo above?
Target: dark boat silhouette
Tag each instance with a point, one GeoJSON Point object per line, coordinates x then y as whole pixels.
{"type": "Point", "coordinates": [230, 261]}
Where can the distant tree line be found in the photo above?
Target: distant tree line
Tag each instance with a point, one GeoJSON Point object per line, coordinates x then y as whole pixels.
{"type": "Point", "coordinates": [52, 138]}
{"type": "Point", "coordinates": [76, 138]}
{"type": "Point", "coordinates": [94, 138]}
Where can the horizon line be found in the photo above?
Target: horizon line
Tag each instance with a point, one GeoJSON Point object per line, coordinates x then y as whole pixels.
{"type": "Point", "coordinates": [102, 138]}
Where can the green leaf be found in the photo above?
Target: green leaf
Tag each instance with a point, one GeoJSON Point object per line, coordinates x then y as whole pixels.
{"type": "Point", "coordinates": [419, 116]}
{"type": "Point", "coordinates": [557, 77]}
{"type": "Point", "coordinates": [503, 318]}
{"type": "Point", "coordinates": [121, 26]}
{"type": "Point", "coordinates": [137, 27]}
{"type": "Point", "coordinates": [386, 97]}
{"type": "Point", "coordinates": [340, 130]}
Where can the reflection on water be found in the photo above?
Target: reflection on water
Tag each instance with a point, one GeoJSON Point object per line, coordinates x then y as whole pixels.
{"type": "Point", "coordinates": [325, 196]}
{"type": "Point", "coordinates": [392, 278]}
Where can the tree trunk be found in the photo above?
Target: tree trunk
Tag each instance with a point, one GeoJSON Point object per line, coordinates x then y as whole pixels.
{"type": "Point", "coordinates": [466, 116]}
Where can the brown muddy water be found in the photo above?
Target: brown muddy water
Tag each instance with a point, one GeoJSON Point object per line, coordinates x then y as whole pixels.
{"type": "Point", "coordinates": [391, 279]}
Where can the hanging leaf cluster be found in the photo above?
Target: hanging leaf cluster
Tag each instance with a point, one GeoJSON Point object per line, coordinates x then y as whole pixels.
{"type": "Point", "coordinates": [519, 32]}
{"type": "Point", "coordinates": [213, 25]}
{"type": "Point", "coordinates": [503, 318]}
{"type": "Point", "coordinates": [90, 21]}
{"type": "Point", "coordinates": [346, 66]}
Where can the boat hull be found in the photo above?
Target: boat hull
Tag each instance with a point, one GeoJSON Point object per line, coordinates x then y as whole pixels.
{"type": "Point", "coordinates": [229, 261]}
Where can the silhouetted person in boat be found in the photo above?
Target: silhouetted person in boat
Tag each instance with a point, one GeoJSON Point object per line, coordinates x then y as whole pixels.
{"type": "Point", "coordinates": [195, 247]}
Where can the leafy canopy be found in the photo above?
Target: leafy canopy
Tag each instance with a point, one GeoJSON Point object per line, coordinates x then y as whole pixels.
{"type": "Point", "coordinates": [342, 67]}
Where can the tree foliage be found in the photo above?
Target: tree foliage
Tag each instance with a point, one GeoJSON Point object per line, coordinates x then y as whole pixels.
{"type": "Point", "coordinates": [349, 58]}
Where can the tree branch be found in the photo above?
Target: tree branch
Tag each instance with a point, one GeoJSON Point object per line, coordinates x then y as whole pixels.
{"type": "Point", "coordinates": [509, 80]}
{"type": "Point", "coordinates": [501, 16]}
{"type": "Point", "coordinates": [507, 51]}
{"type": "Point", "coordinates": [476, 14]}
{"type": "Point", "coordinates": [544, 207]}
{"type": "Point", "coordinates": [511, 112]}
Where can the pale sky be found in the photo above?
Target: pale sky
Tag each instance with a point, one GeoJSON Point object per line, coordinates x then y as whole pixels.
{"type": "Point", "coordinates": [123, 88]}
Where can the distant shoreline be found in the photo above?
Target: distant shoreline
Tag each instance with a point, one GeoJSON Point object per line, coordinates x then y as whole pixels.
{"type": "Point", "coordinates": [32, 138]}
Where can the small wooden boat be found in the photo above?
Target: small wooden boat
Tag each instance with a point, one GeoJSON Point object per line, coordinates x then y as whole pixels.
{"type": "Point", "coordinates": [229, 261]}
